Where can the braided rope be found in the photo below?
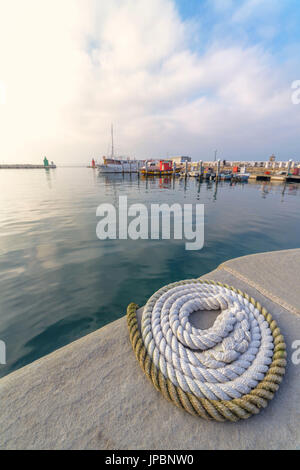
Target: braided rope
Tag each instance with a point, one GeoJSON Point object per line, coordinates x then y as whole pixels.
{"type": "Point", "coordinates": [228, 372]}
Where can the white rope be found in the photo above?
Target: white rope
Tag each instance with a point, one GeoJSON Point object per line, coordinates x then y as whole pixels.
{"type": "Point", "coordinates": [223, 362]}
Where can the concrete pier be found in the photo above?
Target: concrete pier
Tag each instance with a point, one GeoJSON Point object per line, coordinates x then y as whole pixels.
{"type": "Point", "coordinates": [274, 177]}
{"type": "Point", "coordinates": [92, 394]}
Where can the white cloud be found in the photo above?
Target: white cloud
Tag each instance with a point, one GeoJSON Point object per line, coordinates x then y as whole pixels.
{"type": "Point", "coordinates": [222, 5]}
{"type": "Point", "coordinates": [257, 8]}
{"type": "Point", "coordinates": [72, 67]}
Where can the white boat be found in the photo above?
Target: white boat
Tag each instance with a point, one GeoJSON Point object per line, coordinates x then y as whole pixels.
{"type": "Point", "coordinates": [194, 173]}
{"type": "Point", "coordinates": [193, 170]}
{"type": "Point", "coordinates": [113, 165]}
{"type": "Point", "coordinates": [118, 165]}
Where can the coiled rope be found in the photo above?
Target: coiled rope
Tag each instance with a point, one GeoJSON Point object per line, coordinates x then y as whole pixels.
{"type": "Point", "coordinates": [227, 372]}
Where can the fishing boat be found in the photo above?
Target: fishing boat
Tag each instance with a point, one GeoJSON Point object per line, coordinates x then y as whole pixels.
{"type": "Point", "coordinates": [118, 165]}
{"type": "Point", "coordinates": [242, 176]}
{"type": "Point", "coordinates": [194, 173]}
{"type": "Point", "coordinates": [159, 168]}
{"type": "Point", "coordinates": [194, 170]}
{"type": "Point", "coordinates": [113, 165]}
{"type": "Point", "coordinates": [151, 168]}
{"type": "Point", "coordinates": [209, 174]}
{"type": "Point", "coordinates": [226, 176]}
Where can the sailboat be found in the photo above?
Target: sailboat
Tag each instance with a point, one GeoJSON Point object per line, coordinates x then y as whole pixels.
{"type": "Point", "coordinates": [118, 165]}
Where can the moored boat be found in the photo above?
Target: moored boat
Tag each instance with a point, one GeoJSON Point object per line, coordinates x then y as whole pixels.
{"type": "Point", "coordinates": [159, 168]}
{"type": "Point", "coordinates": [113, 165]}
{"type": "Point", "coordinates": [241, 177]}
{"type": "Point", "coordinates": [225, 176]}
{"type": "Point", "coordinates": [118, 165]}
{"type": "Point", "coordinates": [194, 173]}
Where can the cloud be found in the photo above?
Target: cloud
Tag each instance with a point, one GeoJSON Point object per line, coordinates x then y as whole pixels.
{"type": "Point", "coordinates": [256, 8]}
{"type": "Point", "coordinates": [71, 68]}
{"type": "Point", "coordinates": [222, 5]}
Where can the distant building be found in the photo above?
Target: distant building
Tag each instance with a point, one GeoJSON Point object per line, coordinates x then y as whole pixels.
{"type": "Point", "coordinates": [179, 160]}
{"type": "Point", "coordinates": [272, 158]}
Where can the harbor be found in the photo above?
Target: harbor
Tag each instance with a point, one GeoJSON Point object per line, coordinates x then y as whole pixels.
{"type": "Point", "coordinates": [184, 166]}
{"type": "Point", "coordinates": [241, 171]}
{"type": "Point", "coordinates": [285, 172]}
{"type": "Point", "coordinates": [149, 245]}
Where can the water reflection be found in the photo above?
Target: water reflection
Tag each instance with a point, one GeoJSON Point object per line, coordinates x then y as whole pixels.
{"type": "Point", "coordinates": [189, 184]}
{"type": "Point", "coordinates": [48, 174]}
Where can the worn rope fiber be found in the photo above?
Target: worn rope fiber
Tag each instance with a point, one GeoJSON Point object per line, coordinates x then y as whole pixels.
{"type": "Point", "coordinates": [227, 372]}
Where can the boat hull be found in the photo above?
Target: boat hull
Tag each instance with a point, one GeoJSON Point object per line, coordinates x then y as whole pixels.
{"type": "Point", "coordinates": [116, 168]}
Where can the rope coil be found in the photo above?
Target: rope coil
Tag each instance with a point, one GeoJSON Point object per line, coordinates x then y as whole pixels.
{"type": "Point", "coordinates": [227, 372]}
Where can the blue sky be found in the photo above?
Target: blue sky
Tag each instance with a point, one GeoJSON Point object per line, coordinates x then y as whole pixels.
{"type": "Point", "coordinates": [274, 24]}
{"type": "Point", "coordinates": [174, 76]}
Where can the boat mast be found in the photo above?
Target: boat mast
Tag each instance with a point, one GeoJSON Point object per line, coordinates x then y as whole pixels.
{"type": "Point", "coordinates": [112, 141]}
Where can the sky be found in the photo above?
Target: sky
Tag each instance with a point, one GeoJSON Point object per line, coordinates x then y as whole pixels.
{"type": "Point", "coordinates": [175, 77]}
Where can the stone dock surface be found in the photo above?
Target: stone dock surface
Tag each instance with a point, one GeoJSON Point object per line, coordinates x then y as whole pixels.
{"type": "Point", "coordinates": [92, 394]}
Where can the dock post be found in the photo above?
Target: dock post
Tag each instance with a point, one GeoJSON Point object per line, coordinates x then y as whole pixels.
{"type": "Point", "coordinates": [174, 169]}
{"type": "Point", "coordinates": [216, 190]}
{"type": "Point", "coordinates": [200, 174]}
{"type": "Point", "coordinates": [146, 168]}
{"type": "Point", "coordinates": [186, 169]}
{"type": "Point", "coordinates": [283, 190]}
{"type": "Point", "coordinates": [218, 169]}
{"type": "Point", "coordinates": [199, 184]}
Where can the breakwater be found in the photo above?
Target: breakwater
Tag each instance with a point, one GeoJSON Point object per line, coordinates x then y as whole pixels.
{"type": "Point", "coordinates": [26, 167]}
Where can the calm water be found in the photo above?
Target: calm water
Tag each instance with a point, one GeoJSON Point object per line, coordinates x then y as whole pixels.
{"type": "Point", "coordinates": [58, 282]}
